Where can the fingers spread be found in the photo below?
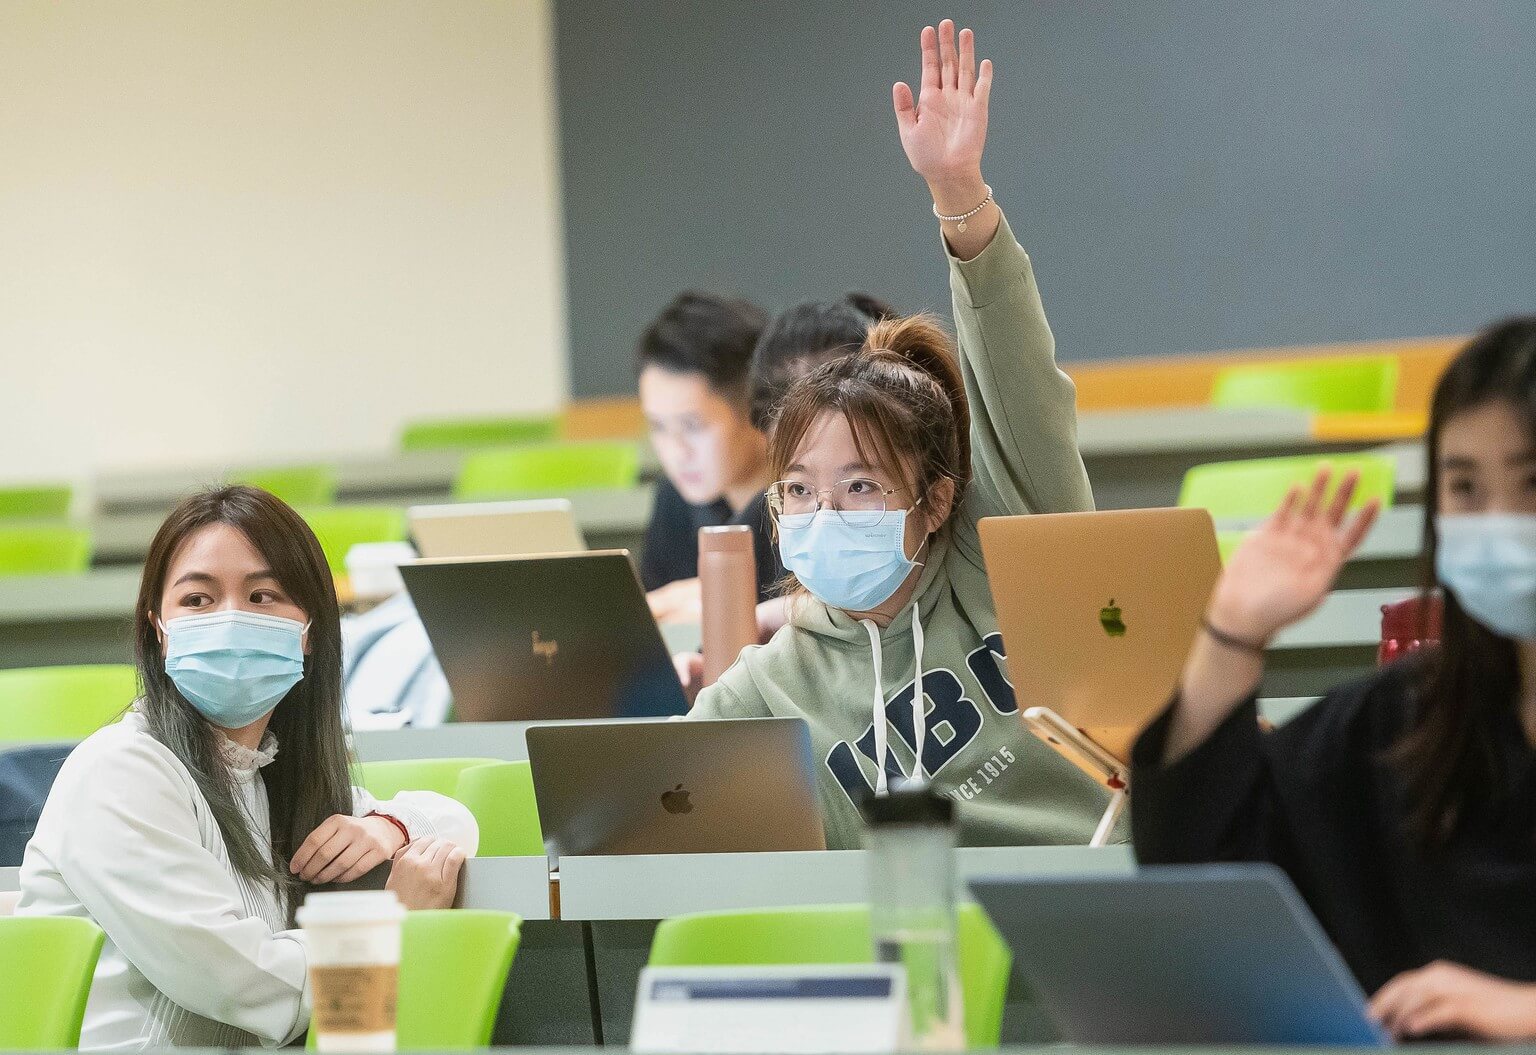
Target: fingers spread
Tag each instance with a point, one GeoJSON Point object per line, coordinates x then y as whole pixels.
{"type": "Point", "coordinates": [930, 45]}
{"type": "Point", "coordinates": [967, 61]}
{"type": "Point", "coordinates": [1315, 496]}
{"type": "Point", "coordinates": [984, 82]}
{"type": "Point", "coordinates": [1287, 508]}
{"type": "Point", "coordinates": [906, 109]}
{"type": "Point", "coordinates": [949, 71]}
{"type": "Point", "coordinates": [1341, 498]}
{"type": "Point", "coordinates": [1361, 525]}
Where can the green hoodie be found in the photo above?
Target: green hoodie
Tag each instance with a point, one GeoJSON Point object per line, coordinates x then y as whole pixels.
{"type": "Point", "coordinates": [1011, 789]}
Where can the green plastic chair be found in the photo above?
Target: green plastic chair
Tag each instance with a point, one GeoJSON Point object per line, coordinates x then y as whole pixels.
{"type": "Point", "coordinates": [44, 549]}
{"type": "Point", "coordinates": [468, 433]}
{"type": "Point", "coordinates": [1250, 490]}
{"type": "Point", "coordinates": [453, 970]}
{"type": "Point", "coordinates": [298, 485]}
{"type": "Point", "coordinates": [385, 780]}
{"type": "Point", "coordinates": [45, 704]}
{"type": "Point", "coordinates": [837, 934]}
{"type": "Point", "coordinates": [38, 501]}
{"type": "Point", "coordinates": [548, 468]}
{"type": "Point", "coordinates": [46, 966]}
{"type": "Point", "coordinates": [500, 796]}
{"type": "Point", "coordinates": [1344, 385]}
{"type": "Point", "coordinates": [339, 528]}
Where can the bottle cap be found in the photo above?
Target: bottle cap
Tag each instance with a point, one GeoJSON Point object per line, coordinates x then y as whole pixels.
{"type": "Point", "coordinates": [912, 804]}
{"type": "Point", "coordinates": [727, 538]}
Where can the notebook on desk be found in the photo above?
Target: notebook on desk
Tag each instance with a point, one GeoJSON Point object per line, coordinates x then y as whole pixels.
{"type": "Point", "coordinates": [546, 637]}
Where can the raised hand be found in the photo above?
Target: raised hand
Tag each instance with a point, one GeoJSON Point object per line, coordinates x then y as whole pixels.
{"type": "Point", "coordinates": [945, 130]}
{"type": "Point", "coordinates": [1285, 568]}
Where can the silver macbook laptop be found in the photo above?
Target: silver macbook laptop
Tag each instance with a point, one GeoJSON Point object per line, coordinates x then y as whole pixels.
{"type": "Point", "coordinates": [496, 529]}
{"type": "Point", "coordinates": [1211, 954]}
{"type": "Point", "coordinates": [722, 786]}
{"type": "Point", "coordinates": [548, 637]}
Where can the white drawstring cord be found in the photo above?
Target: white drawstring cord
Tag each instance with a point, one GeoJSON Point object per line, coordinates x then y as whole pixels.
{"type": "Point", "coordinates": [919, 704]}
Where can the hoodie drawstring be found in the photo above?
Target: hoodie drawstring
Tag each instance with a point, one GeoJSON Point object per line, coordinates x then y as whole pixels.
{"type": "Point", "coordinates": [919, 704]}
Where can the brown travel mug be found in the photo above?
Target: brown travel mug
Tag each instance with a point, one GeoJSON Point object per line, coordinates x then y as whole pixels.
{"type": "Point", "coordinates": [728, 581]}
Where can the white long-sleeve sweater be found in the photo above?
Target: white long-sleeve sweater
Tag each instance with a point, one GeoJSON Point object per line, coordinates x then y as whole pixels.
{"type": "Point", "coordinates": [196, 954]}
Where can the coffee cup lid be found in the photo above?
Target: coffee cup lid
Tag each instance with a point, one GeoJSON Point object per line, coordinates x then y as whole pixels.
{"type": "Point", "coordinates": [351, 906]}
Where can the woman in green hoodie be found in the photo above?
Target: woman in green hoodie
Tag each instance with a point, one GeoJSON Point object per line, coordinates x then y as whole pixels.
{"type": "Point", "coordinates": [899, 449]}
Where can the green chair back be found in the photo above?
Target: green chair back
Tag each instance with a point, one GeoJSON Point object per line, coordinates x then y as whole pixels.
{"type": "Point", "coordinates": [339, 528]}
{"type": "Point", "coordinates": [44, 704]}
{"type": "Point", "coordinates": [546, 468]}
{"type": "Point", "coordinates": [453, 970]}
{"type": "Point", "coordinates": [1345, 385]}
{"type": "Point", "coordinates": [1250, 490]}
{"type": "Point", "coordinates": [500, 796]}
{"type": "Point", "coordinates": [44, 549]}
{"type": "Point", "coordinates": [46, 966]}
{"type": "Point", "coordinates": [837, 934]}
{"type": "Point", "coordinates": [385, 780]}
{"type": "Point", "coordinates": [298, 485]}
{"type": "Point", "coordinates": [468, 433]}
{"type": "Point", "coordinates": [35, 501]}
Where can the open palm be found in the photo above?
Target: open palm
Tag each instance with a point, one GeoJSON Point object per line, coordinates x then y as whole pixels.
{"type": "Point", "coordinates": [1284, 569]}
{"type": "Point", "coordinates": [945, 129]}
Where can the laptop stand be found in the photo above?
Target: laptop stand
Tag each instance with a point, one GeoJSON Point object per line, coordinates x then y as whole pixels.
{"type": "Point", "coordinates": [1091, 758]}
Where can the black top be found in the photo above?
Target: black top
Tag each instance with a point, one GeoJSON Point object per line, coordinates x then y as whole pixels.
{"type": "Point", "coordinates": [1318, 798]}
{"type": "Point", "coordinates": [672, 538]}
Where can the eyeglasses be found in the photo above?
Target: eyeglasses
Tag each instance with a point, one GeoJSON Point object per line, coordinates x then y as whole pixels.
{"type": "Point", "coordinates": [790, 497]}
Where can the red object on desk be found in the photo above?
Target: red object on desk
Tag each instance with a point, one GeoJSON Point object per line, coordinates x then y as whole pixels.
{"type": "Point", "coordinates": [1408, 626]}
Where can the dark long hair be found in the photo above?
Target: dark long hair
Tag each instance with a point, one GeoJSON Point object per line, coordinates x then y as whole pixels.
{"type": "Point", "coordinates": [308, 781]}
{"type": "Point", "coordinates": [803, 337]}
{"type": "Point", "coordinates": [1472, 681]}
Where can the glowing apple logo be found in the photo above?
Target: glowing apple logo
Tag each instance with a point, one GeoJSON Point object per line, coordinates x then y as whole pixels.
{"type": "Point", "coordinates": [1109, 618]}
{"type": "Point", "coordinates": [676, 801]}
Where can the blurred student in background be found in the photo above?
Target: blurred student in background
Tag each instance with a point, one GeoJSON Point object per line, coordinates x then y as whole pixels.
{"type": "Point", "coordinates": [191, 829]}
{"type": "Point", "coordinates": [693, 364]}
{"type": "Point", "coordinates": [1403, 805]}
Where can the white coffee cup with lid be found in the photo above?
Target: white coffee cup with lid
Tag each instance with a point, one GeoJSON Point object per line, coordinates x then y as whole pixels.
{"type": "Point", "coordinates": [354, 968]}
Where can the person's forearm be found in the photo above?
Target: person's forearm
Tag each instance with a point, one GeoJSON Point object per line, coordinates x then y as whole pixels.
{"type": "Point", "coordinates": [957, 195]}
{"type": "Point", "coordinates": [1217, 678]}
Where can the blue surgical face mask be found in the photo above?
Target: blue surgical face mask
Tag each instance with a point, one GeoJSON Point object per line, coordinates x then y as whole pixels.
{"type": "Point", "coordinates": [234, 666]}
{"type": "Point", "coordinates": [1488, 560]}
{"type": "Point", "coordinates": [851, 560]}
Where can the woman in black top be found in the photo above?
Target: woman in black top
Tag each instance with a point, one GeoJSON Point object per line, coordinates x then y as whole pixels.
{"type": "Point", "coordinates": [1403, 806]}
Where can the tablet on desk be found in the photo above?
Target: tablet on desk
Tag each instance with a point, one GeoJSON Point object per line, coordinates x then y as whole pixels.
{"type": "Point", "coordinates": [1216, 954]}
{"type": "Point", "coordinates": [541, 638]}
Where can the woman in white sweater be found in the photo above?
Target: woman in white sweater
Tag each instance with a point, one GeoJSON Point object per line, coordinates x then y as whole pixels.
{"type": "Point", "coordinates": [190, 830]}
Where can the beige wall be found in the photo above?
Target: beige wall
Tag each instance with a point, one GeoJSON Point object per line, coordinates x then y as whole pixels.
{"type": "Point", "coordinates": [236, 231]}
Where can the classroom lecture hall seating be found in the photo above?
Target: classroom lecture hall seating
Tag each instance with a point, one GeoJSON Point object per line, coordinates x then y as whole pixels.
{"type": "Point", "coordinates": [298, 485]}
{"type": "Point", "coordinates": [1338, 385]}
{"type": "Point", "coordinates": [545, 468]}
{"type": "Point", "coordinates": [65, 703]}
{"type": "Point", "coordinates": [836, 934]}
{"type": "Point", "coordinates": [466, 433]}
{"type": "Point", "coordinates": [35, 501]}
{"type": "Point", "coordinates": [46, 965]}
{"type": "Point", "coordinates": [499, 794]}
{"type": "Point", "coordinates": [44, 549]}
{"type": "Point", "coordinates": [453, 969]}
{"type": "Point", "coordinates": [339, 528]}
